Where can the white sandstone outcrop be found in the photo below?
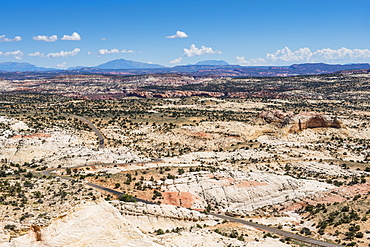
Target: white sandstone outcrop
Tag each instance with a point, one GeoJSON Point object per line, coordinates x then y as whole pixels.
{"type": "Point", "coordinates": [88, 224]}
{"type": "Point", "coordinates": [101, 224]}
{"type": "Point", "coordinates": [236, 190]}
{"type": "Point", "coordinates": [56, 147]}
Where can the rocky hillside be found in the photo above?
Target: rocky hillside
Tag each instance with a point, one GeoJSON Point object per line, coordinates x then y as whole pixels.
{"type": "Point", "coordinates": [101, 224]}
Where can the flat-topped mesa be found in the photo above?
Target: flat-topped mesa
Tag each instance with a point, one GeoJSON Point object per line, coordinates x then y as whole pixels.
{"type": "Point", "coordinates": [301, 121]}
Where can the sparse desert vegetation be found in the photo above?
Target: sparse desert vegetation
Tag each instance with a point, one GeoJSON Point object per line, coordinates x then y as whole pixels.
{"type": "Point", "coordinates": [263, 159]}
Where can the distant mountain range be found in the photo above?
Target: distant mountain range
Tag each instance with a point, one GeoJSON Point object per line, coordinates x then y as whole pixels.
{"type": "Point", "coordinates": [202, 68]}
{"type": "Point", "coordinates": [14, 66]}
{"type": "Point", "coordinates": [212, 62]}
{"type": "Point", "coordinates": [118, 64]}
{"type": "Point", "coordinates": [329, 67]}
{"type": "Point", "coordinates": [127, 64]}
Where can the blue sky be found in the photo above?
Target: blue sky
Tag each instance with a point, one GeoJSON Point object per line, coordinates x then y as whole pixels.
{"type": "Point", "coordinates": [246, 32]}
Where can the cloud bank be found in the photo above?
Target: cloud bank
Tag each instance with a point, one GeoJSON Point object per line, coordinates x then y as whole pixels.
{"type": "Point", "coordinates": [178, 35]}
{"type": "Point", "coordinates": [4, 39]}
{"type": "Point", "coordinates": [305, 55]}
{"type": "Point", "coordinates": [194, 51]}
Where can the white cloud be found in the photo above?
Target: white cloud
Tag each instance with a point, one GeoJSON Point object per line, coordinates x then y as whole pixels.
{"type": "Point", "coordinates": [305, 55]}
{"type": "Point", "coordinates": [241, 60]}
{"type": "Point", "coordinates": [194, 51]}
{"type": "Point", "coordinates": [36, 54]}
{"type": "Point", "coordinates": [115, 50]}
{"type": "Point", "coordinates": [52, 38]}
{"type": "Point", "coordinates": [62, 65]}
{"type": "Point", "coordinates": [3, 39]}
{"type": "Point", "coordinates": [16, 54]}
{"type": "Point", "coordinates": [177, 60]}
{"type": "Point", "coordinates": [103, 39]}
{"type": "Point", "coordinates": [64, 53]}
{"type": "Point", "coordinates": [75, 37]}
{"type": "Point", "coordinates": [286, 55]}
{"type": "Point", "coordinates": [106, 51]}
{"type": "Point", "coordinates": [127, 51]}
{"type": "Point", "coordinates": [178, 35]}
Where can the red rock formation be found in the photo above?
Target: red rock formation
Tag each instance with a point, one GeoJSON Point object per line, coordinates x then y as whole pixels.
{"type": "Point", "coordinates": [301, 121]}
{"type": "Point", "coordinates": [308, 120]}
{"type": "Point", "coordinates": [183, 199]}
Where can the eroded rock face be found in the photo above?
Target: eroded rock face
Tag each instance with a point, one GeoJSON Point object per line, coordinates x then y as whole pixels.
{"type": "Point", "coordinates": [301, 121]}
{"type": "Point", "coordinates": [313, 120]}
{"type": "Point", "coordinates": [89, 224]}
{"type": "Point", "coordinates": [101, 224]}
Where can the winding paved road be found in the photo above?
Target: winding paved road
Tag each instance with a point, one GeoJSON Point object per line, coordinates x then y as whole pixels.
{"type": "Point", "coordinates": [277, 231]}
{"type": "Point", "coordinates": [244, 222]}
{"type": "Point", "coordinates": [92, 126]}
